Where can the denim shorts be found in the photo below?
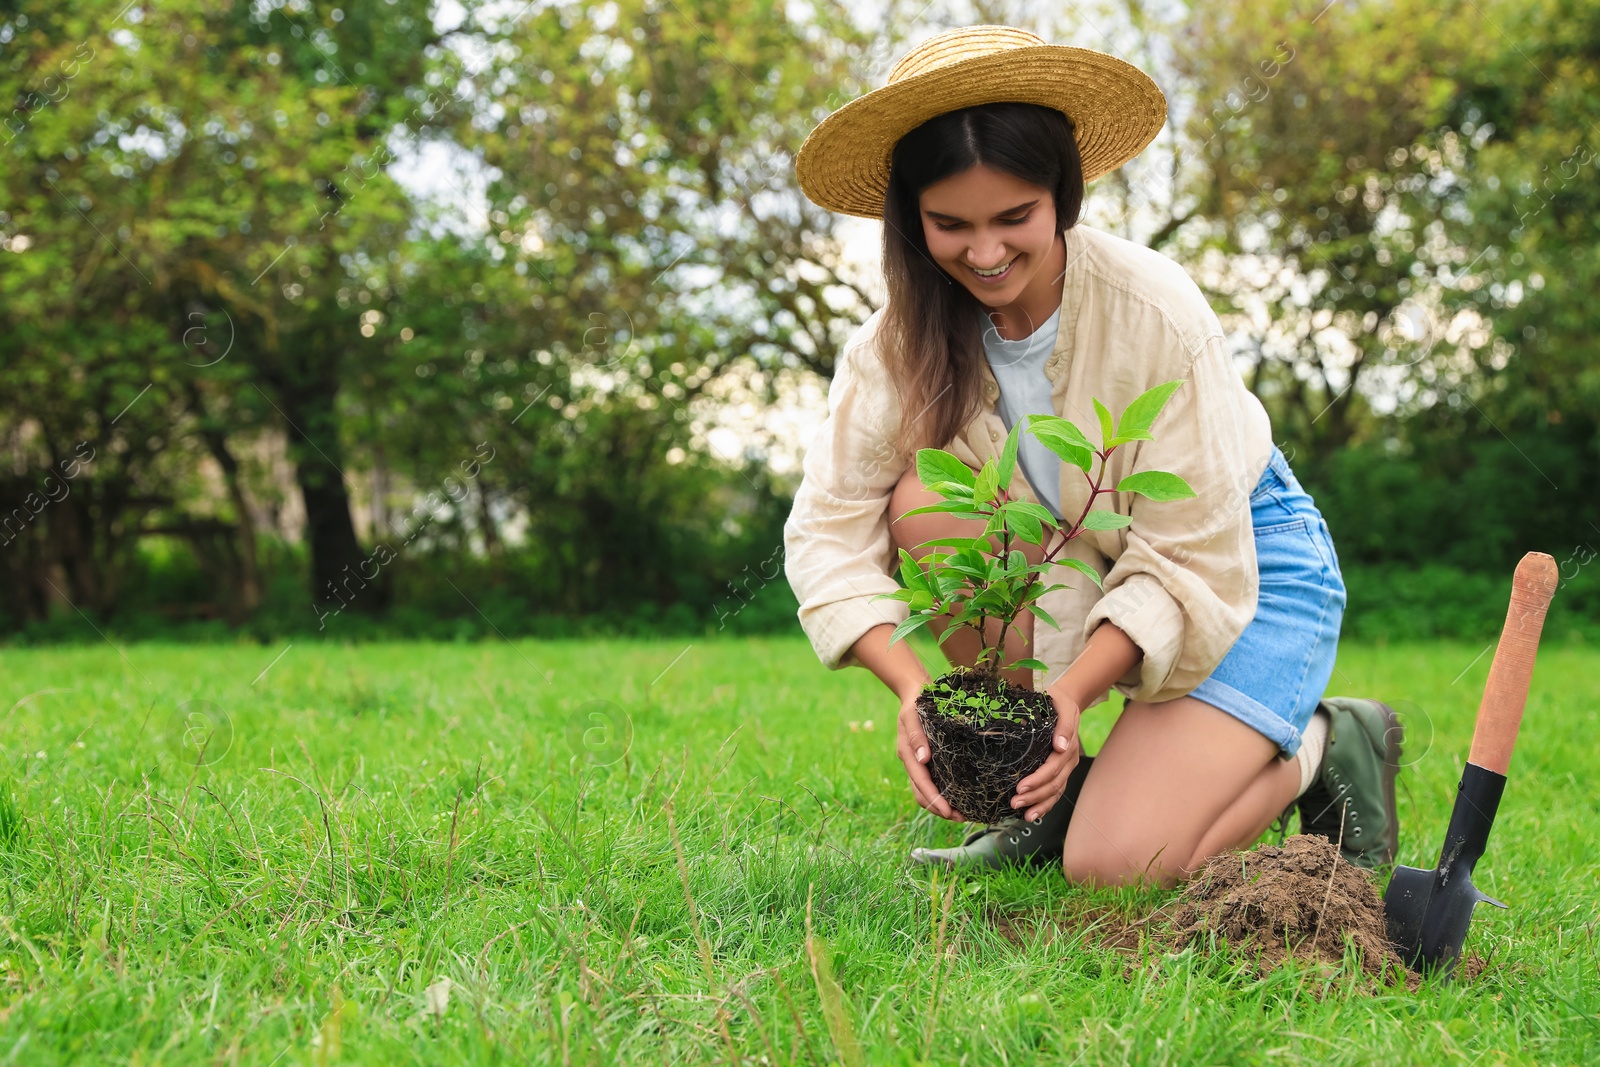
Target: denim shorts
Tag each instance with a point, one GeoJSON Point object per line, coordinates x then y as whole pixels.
{"type": "Point", "coordinates": [1277, 671]}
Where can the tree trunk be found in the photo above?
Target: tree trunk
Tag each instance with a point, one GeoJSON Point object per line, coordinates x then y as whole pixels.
{"type": "Point", "coordinates": [491, 536]}
{"type": "Point", "coordinates": [340, 571]}
{"type": "Point", "coordinates": [249, 581]}
{"type": "Point", "coordinates": [380, 494]}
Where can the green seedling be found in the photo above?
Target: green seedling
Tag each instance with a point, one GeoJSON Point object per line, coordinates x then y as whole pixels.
{"type": "Point", "coordinates": [974, 579]}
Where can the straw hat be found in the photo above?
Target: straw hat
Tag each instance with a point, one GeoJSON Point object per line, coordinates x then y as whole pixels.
{"type": "Point", "coordinates": [1115, 107]}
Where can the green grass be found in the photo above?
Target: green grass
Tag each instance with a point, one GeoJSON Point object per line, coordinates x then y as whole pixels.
{"type": "Point", "coordinates": [388, 816]}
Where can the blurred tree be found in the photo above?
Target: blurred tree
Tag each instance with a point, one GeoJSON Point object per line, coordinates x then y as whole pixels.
{"type": "Point", "coordinates": [1310, 213]}
{"type": "Point", "coordinates": [1532, 217]}
{"type": "Point", "coordinates": [1394, 193]}
{"type": "Point", "coordinates": [222, 172]}
{"type": "Point", "coordinates": [213, 167]}
{"type": "Point", "coordinates": [202, 248]}
{"type": "Point", "coordinates": [647, 252]}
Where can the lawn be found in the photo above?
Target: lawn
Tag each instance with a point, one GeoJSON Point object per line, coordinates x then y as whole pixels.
{"type": "Point", "coordinates": [613, 852]}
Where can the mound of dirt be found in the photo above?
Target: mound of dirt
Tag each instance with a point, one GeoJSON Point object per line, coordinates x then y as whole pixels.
{"type": "Point", "coordinates": [1296, 901]}
{"type": "Point", "coordinates": [1299, 900]}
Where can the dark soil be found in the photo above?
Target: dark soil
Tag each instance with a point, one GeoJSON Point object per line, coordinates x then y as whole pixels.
{"type": "Point", "coordinates": [977, 768]}
{"type": "Point", "coordinates": [1300, 901]}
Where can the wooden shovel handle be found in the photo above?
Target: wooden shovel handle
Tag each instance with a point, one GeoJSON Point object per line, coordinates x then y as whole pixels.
{"type": "Point", "coordinates": [1506, 692]}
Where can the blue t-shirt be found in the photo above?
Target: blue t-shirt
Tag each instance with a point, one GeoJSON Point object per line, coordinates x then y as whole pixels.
{"type": "Point", "coordinates": [1025, 390]}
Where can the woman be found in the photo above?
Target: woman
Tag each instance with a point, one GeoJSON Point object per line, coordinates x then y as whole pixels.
{"type": "Point", "coordinates": [1219, 615]}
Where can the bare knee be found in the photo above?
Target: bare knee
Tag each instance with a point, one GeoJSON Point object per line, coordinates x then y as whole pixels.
{"type": "Point", "coordinates": [908, 533]}
{"type": "Point", "coordinates": [908, 495]}
{"type": "Point", "coordinates": [904, 497]}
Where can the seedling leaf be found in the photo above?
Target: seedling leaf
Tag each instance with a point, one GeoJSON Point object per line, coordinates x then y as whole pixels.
{"type": "Point", "coordinates": [947, 542]}
{"type": "Point", "coordinates": [1081, 566]}
{"type": "Point", "coordinates": [911, 624]}
{"type": "Point", "coordinates": [911, 574]}
{"type": "Point", "coordinates": [1157, 485]}
{"type": "Point", "coordinates": [1107, 428]}
{"type": "Point", "coordinates": [1026, 527]}
{"type": "Point", "coordinates": [1008, 454]}
{"type": "Point", "coordinates": [1138, 416]}
{"type": "Point", "coordinates": [1028, 507]}
{"type": "Point", "coordinates": [955, 507]}
{"type": "Point", "coordinates": [988, 482]}
{"type": "Point", "coordinates": [1105, 520]}
{"type": "Point", "coordinates": [1043, 614]}
{"type": "Point", "coordinates": [1062, 438]}
{"type": "Point", "coordinates": [935, 465]}
{"type": "Point", "coordinates": [950, 489]}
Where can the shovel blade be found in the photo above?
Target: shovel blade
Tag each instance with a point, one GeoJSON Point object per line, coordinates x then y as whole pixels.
{"type": "Point", "coordinates": [1405, 906]}
{"type": "Point", "coordinates": [1427, 913]}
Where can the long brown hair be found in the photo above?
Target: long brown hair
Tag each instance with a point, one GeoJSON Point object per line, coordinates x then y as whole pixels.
{"type": "Point", "coordinates": [931, 346]}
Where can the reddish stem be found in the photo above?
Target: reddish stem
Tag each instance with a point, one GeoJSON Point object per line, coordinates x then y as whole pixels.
{"type": "Point", "coordinates": [1094, 484]}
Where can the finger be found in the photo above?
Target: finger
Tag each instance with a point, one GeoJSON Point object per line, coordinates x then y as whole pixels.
{"type": "Point", "coordinates": [1052, 785]}
{"type": "Point", "coordinates": [1055, 770]}
{"type": "Point", "coordinates": [1035, 791]}
{"type": "Point", "coordinates": [1066, 750]}
{"type": "Point", "coordinates": [1041, 810]}
{"type": "Point", "coordinates": [1035, 802]}
{"type": "Point", "coordinates": [927, 793]}
{"type": "Point", "coordinates": [1055, 766]}
{"type": "Point", "coordinates": [940, 806]}
{"type": "Point", "coordinates": [916, 740]}
{"type": "Point", "coordinates": [920, 776]}
{"type": "Point", "coordinates": [1053, 775]}
{"type": "Point", "coordinates": [1038, 796]}
{"type": "Point", "coordinates": [915, 758]}
{"type": "Point", "coordinates": [930, 800]}
{"type": "Point", "coordinates": [919, 746]}
{"type": "Point", "coordinates": [1065, 739]}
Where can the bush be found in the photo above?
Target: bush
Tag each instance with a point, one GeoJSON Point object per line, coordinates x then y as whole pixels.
{"type": "Point", "coordinates": [1396, 602]}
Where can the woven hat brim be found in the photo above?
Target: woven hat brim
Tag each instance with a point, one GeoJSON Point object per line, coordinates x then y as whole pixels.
{"type": "Point", "coordinates": [1115, 107]}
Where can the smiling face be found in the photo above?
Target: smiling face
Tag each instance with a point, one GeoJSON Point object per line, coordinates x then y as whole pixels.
{"type": "Point", "coordinates": [996, 235]}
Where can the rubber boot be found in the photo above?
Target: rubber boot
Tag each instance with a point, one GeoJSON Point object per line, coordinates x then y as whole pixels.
{"type": "Point", "coordinates": [1013, 841]}
{"type": "Point", "coordinates": [1351, 801]}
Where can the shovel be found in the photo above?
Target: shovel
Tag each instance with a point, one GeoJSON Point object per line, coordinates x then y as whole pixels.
{"type": "Point", "coordinates": [1427, 912]}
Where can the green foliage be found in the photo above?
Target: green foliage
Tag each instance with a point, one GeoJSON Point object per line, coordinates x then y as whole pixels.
{"type": "Point", "coordinates": [1526, 202]}
{"type": "Point", "coordinates": [972, 580]}
{"type": "Point", "coordinates": [198, 218]}
{"type": "Point", "coordinates": [1318, 138]}
{"type": "Point", "coordinates": [199, 228]}
{"type": "Point", "coordinates": [1402, 602]}
{"type": "Point", "coordinates": [1444, 495]}
{"type": "Point", "coordinates": [976, 707]}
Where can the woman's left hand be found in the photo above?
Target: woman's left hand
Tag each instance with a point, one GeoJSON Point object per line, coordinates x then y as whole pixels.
{"type": "Point", "coordinates": [1039, 791]}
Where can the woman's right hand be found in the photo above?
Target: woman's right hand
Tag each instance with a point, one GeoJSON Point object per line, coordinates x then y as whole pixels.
{"type": "Point", "coordinates": [913, 748]}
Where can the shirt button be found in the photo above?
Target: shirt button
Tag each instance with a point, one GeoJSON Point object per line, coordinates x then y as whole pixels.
{"type": "Point", "coordinates": [994, 435]}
